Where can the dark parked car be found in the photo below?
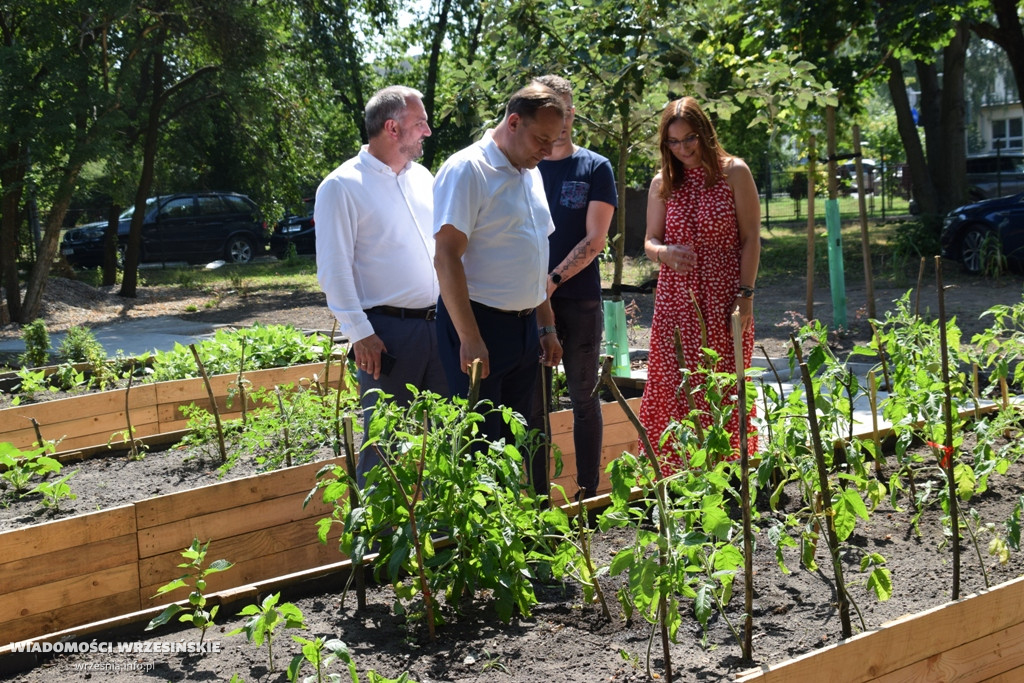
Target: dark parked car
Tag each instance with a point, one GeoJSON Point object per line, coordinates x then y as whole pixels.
{"type": "Point", "coordinates": [297, 230]}
{"type": "Point", "coordinates": [191, 227]}
{"type": "Point", "coordinates": [992, 175]}
{"type": "Point", "coordinates": [974, 234]}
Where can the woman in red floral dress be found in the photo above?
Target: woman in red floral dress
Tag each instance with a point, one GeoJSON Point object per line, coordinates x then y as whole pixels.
{"type": "Point", "coordinates": [703, 227]}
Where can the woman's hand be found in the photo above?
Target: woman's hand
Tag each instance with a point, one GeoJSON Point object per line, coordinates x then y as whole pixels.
{"type": "Point", "coordinates": [678, 257]}
{"type": "Point", "coordinates": [745, 305]}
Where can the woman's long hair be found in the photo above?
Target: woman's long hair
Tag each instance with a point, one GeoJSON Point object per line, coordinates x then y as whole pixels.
{"type": "Point", "coordinates": [712, 154]}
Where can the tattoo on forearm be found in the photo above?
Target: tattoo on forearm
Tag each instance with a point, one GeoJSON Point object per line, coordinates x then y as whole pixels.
{"type": "Point", "coordinates": [578, 256]}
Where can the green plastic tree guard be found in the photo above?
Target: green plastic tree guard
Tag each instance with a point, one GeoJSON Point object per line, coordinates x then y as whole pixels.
{"type": "Point", "coordinates": [837, 276]}
{"type": "Point", "coordinates": [616, 343]}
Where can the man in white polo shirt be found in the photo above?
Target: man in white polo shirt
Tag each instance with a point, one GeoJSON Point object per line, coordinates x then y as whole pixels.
{"type": "Point", "coordinates": [375, 252]}
{"type": "Point", "coordinates": [491, 227]}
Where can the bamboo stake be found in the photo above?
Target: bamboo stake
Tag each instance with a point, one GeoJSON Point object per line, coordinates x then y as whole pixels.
{"type": "Point", "coordinates": [609, 381]}
{"type": "Point", "coordinates": [810, 228]}
{"type": "Point", "coordinates": [353, 492]}
{"type": "Point", "coordinates": [825, 492]}
{"type": "Point", "coordinates": [947, 414]}
{"type": "Point", "coordinates": [685, 386]}
{"type": "Point", "coordinates": [873, 402]}
{"type": "Point", "coordinates": [241, 380]}
{"type": "Point", "coordinates": [213, 403]}
{"type": "Point", "coordinates": [748, 543]}
{"type": "Point", "coordinates": [134, 449]}
{"type": "Point", "coordinates": [865, 239]}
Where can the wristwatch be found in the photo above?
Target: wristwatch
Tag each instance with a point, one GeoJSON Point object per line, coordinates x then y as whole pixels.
{"type": "Point", "coordinates": [556, 278]}
{"type": "Point", "coordinates": [745, 292]}
{"type": "Point", "coordinates": [546, 329]}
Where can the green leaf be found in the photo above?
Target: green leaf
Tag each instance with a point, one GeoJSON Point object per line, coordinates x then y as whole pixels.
{"type": "Point", "coordinates": [164, 616]}
{"type": "Point", "coordinates": [218, 566]}
{"type": "Point", "coordinates": [963, 475]}
{"type": "Point", "coordinates": [880, 581]}
{"type": "Point", "coordinates": [716, 522]}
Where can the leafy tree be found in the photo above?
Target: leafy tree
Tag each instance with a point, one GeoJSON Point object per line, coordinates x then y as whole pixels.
{"type": "Point", "coordinates": [52, 73]}
{"type": "Point", "coordinates": [1007, 32]}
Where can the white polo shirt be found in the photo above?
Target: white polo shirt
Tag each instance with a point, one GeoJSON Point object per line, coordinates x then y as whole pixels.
{"type": "Point", "coordinates": [504, 214]}
{"type": "Point", "coordinates": [374, 244]}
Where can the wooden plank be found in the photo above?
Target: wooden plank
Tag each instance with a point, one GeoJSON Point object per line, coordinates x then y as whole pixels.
{"type": "Point", "coordinates": [62, 564]}
{"type": "Point", "coordinates": [159, 569]}
{"type": "Point", "coordinates": [903, 642]}
{"type": "Point", "coordinates": [69, 616]}
{"type": "Point", "coordinates": [254, 570]}
{"type": "Point", "coordinates": [95, 403]}
{"type": "Point", "coordinates": [172, 507]}
{"type": "Point", "coordinates": [561, 420]}
{"type": "Point", "coordinates": [977, 660]}
{"type": "Point", "coordinates": [188, 390]}
{"type": "Point", "coordinates": [1012, 676]}
{"type": "Point", "coordinates": [40, 539]}
{"type": "Point", "coordinates": [226, 523]}
{"type": "Point", "coordinates": [90, 428]}
{"type": "Point", "coordinates": [15, 605]}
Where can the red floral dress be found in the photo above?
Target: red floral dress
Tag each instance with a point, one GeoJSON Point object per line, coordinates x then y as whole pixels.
{"type": "Point", "coordinates": [704, 218]}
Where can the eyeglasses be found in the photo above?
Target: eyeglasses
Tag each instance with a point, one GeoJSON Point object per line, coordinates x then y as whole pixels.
{"type": "Point", "coordinates": [688, 141]}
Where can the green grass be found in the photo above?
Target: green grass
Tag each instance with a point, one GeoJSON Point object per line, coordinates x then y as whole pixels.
{"type": "Point", "coordinates": [287, 276]}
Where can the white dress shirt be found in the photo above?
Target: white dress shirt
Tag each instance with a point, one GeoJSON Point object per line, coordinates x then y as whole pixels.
{"type": "Point", "coordinates": [374, 244]}
{"type": "Point", "coordinates": [503, 212]}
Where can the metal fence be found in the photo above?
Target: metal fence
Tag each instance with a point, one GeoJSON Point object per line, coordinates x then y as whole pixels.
{"type": "Point", "coordinates": [784, 191]}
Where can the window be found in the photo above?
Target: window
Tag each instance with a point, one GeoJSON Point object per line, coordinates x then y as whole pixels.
{"type": "Point", "coordinates": [177, 208]}
{"type": "Point", "coordinates": [1007, 133]}
{"type": "Point", "coordinates": [211, 206]}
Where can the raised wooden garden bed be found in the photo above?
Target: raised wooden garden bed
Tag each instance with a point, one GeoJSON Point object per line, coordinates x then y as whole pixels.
{"type": "Point", "coordinates": [978, 638]}
{"type": "Point", "coordinates": [83, 423]}
{"type": "Point", "coordinates": [71, 572]}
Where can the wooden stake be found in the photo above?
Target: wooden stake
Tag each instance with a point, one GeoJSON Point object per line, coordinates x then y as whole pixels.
{"type": "Point", "coordinates": [947, 414]}
{"type": "Point", "coordinates": [748, 543]}
{"type": "Point", "coordinates": [865, 240]}
{"type": "Point", "coordinates": [811, 173]}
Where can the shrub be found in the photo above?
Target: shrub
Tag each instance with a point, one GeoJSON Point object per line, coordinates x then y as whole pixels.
{"type": "Point", "coordinates": [37, 344]}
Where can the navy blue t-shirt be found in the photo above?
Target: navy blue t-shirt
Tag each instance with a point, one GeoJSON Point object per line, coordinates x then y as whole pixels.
{"type": "Point", "coordinates": [571, 184]}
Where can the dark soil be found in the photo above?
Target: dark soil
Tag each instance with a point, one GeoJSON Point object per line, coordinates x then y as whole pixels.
{"type": "Point", "coordinates": [563, 639]}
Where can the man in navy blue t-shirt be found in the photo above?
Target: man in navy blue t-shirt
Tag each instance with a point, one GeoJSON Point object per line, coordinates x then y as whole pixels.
{"type": "Point", "coordinates": [580, 188]}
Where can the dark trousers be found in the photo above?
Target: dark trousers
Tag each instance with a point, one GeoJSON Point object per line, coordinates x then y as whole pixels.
{"type": "Point", "coordinates": [413, 342]}
{"type": "Point", "coordinates": [513, 349]}
{"type": "Point", "coordinates": [579, 323]}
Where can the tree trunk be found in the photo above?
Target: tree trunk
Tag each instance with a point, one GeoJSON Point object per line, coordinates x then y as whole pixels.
{"type": "Point", "coordinates": [110, 246]}
{"type": "Point", "coordinates": [40, 273]}
{"type": "Point", "coordinates": [920, 181]}
{"type": "Point", "coordinates": [951, 172]}
{"type": "Point", "coordinates": [12, 179]}
{"type": "Point", "coordinates": [436, 42]}
{"type": "Point", "coordinates": [130, 280]}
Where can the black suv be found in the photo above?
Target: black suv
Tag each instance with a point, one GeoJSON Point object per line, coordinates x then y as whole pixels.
{"type": "Point", "coordinates": [297, 230]}
{"type": "Point", "coordinates": [192, 227]}
{"type": "Point", "coordinates": [993, 175]}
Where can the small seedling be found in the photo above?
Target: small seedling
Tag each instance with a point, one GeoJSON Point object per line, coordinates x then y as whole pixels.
{"type": "Point", "coordinates": [266, 617]}
{"type": "Point", "coordinates": [55, 491]}
{"type": "Point", "coordinates": [199, 617]}
{"type": "Point", "coordinates": [320, 654]}
{"type": "Point", "coordinates": [20, 466]}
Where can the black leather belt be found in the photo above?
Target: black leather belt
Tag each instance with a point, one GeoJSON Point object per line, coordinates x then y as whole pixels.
{"type": "Point", "coordinates": [396, 312]}
{"type": "Point", "coordinates": [519, 314]}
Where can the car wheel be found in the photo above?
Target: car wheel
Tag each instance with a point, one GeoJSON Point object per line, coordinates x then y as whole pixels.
{"type": "Point", "coordinates": [239, 249]}
{"type": "Point", "coordinates": [976, 248]}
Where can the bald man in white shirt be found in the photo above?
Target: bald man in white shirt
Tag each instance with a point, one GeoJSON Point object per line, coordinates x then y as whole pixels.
{"type": "Point", "coordinates": [375, 255]}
